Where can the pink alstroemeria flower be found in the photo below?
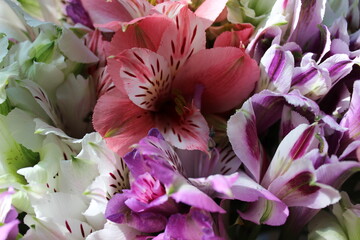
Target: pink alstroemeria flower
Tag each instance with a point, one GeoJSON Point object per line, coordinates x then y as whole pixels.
{"type": "Point", "coordinates": [166, 89]}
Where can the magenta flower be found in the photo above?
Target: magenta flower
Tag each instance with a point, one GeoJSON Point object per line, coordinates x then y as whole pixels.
{"type": "Point", "coordinates": [166, 89]}
{"type": "Point", "coordinates": [158, 186]}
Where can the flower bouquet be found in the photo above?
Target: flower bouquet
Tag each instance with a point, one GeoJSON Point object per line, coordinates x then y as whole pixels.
{"type": "Point", "coordinates": [191, 120]}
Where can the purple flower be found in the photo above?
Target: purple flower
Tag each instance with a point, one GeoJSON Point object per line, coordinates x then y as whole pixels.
{"type": "Point", "coordinates": [158, 187]}
{"type": "Point", "coordinates": [303, 173]}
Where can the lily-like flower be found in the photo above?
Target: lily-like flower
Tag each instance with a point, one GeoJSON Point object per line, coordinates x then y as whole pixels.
{"type": "Point", "coordinates": [167, 89]}
{"type": "Point", "coordinates": [49, 54]}
{"type": "Point", "coordinates": [157, 187]}
{"type": "Point", "coordinates": [296, 175]}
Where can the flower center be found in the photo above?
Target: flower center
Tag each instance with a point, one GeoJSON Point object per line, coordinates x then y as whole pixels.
{"type": "Point", "coordinates": [173, 107]}
{"type": "Point", "coordinates": [146, 188]}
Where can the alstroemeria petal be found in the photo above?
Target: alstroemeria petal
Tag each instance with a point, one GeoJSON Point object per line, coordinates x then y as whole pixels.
{"type": "Point", "coordinates": [8, 216]}
{"type": "Point", "coordinates": [196, 225]}
{"type": "Point", "coordinates": [335, 174]}
{"type": "Point", "coordinates": [190, 195]}
{"type": "Point", "coordinates": [298, 187]}
{"type": "Point", "coordinates": [120, 130]}
{"type": "Point", "coordinates": [54, 205]}
{"type": "Point", "coordinates": [116, 208]}
{"type": "Point", "coordinates": [278, 66]}
{"type": "Point", "coordinates": [102, 12]}
{"type": "Point", "coordinates": [169, 8]}
{"type": "Point", "coordinates": [338, 65]}
{"type": "Point", "coordinates": [311, 80]}
{"type": "Point", "coordinates": [290, 120]}
{"type": "Point", "coordinates": [44, 101]}
{"type": "Point", "coordinates": [264, 207]}
{"type": "Point", "coordinates": [155, 146]}
{"type": "Point", "coordinates": [311, 14]}
{"type": "Point", "coordinates": [352, 116]}
{"type": "Point", "coordinates": [146, 33]}
{"type": "Point", "coordinates": [183, 38]}
{"type": "Point", "coordinates": [301, 140]}
{"type": "Point", "coordinates": [210, 10]}
{"type": "Point", "coordinates": [228, 75]}
{"type": "Point", "coordinates": [238, 36]}
{"type": "Point", "coordinates": [5, 204]}
{"type": "Point", "coordinates": [268, 107]}
{"type": "Point", "coordinates": [228, 162]}
{"type": "Point", "coordinates": [243, 137]}
{"type": "Point", "coordinates": [325, 226]}
{"type": "Point", "coordinates": [75, 10]}
{"type": "Point", "coordinates": [114, 231]}
{"type": "Point", "coordinates": [49, 228]}
{"type": "Point", "coordinates": [4, 43]}
{"type": "Point", "coordinates": [189, 132]}
{"type": "Point", "coordinates": [348, 214]}
{"type": "Point", "coordinates": [216, 185]}
{"type": "Point", "coordinates": [76, 99]}
{"type": "Point", "coordinates": [258, 46]}
{"type": "Point", "coordinates": [22, 128]}
{"type": "Point", "coordinates": [145, 75]}
{"type": "Point", "coordinates": [74, 48]}
{"type": "Point", "coordinates": [9, 230]}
